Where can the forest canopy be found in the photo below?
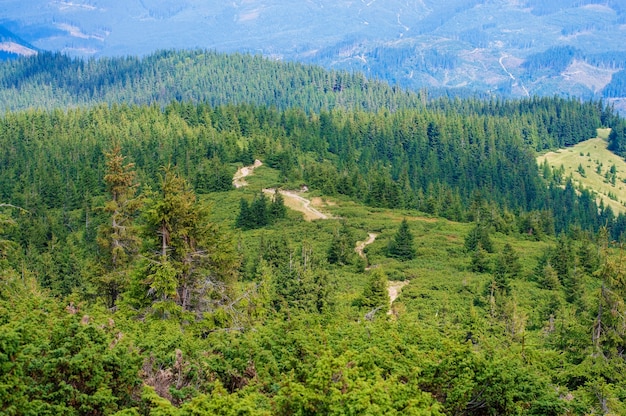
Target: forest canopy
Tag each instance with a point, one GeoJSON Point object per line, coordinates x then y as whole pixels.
{"type": "Point", "coordinates": [452, 276]}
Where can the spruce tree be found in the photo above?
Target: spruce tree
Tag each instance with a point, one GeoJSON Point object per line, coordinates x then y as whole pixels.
{"type": "Point", "coordinates": [259, 212]}
{"type": "Point", "coordinates": [341, 249]}
{"type": "Point", "coordinates": [375, 293]}
{"type": "Point", "coordinates": [401, 247]}
{"type": "Point", "coordinates": [244, 219]}
{"type": "Point", "coordinates": [479, 235]}
{"type": "Point", "coordinates": [277, 209]}
{"type": "Point", "coordinates": [118, 238]}
{"type": "Point", "coordinates": [192, 258]}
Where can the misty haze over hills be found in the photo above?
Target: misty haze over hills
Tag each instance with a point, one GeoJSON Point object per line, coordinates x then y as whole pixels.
{"type": "Point", "coordinates": [510, 47]}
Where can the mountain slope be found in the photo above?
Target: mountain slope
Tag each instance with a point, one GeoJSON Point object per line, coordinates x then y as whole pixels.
{"type": "Point", "coordinates": [12, 46]}
{"type": "Point", "coordinates": [475, 45]}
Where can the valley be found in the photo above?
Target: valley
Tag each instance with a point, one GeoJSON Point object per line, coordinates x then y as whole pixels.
{"type": "Point", "coordinates": [419, 257]}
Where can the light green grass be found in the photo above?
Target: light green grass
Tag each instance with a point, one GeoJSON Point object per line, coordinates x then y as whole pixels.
{"type": "Point", "coordinates": [442, 290]}
{"type": "Point", "coordinates": [593, 155]}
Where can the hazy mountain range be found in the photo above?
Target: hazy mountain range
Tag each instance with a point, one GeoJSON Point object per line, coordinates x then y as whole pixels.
{"type": "Point", "coordinates": [510, 47]}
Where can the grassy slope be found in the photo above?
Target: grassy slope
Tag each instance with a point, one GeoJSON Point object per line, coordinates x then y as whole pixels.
{"type": "Point", "coordinates": [442, 291]}
{"type": "Point", "coordinates": [591, 155]}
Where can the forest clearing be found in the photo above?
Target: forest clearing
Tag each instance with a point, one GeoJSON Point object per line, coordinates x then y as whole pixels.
{"type": "Point", "coordinates": [592, 166]}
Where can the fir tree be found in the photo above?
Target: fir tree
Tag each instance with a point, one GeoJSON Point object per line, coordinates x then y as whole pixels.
{"type": "Point", "coordinates": [341, 249]}
{"type": "Point", "coordinates": [401, 247]}
{"type": "Point", "coordinates": [375, 293]}
{"type": "Point", "coordinates": [277, 209]}
{"type": "Point", "coordinates": [118, 238]}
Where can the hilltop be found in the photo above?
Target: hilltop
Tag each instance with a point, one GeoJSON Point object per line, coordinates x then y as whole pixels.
{"type": "Point", "coordinates": [503, 47]}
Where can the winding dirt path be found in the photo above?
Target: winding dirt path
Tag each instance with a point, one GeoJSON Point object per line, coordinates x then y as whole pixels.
{"type": "Point", "coordinates": [394, 288]}
{"type": "Point", "coordinates": [299, 203]}
{"type": "Point", "coordinates": [360, 245]}
{"type": "Point", "coordinates": [238, 179]}
{"type": "Point", "coordinates": [511, 75]}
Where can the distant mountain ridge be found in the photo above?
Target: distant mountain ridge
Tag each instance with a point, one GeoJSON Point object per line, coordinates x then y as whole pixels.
{"type": "Point", "coordinates": [12, 46]}
{"type": "Point", "coordinates": [505, 47]}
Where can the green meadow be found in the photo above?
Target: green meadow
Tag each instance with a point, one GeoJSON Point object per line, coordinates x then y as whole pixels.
{"type": "Point", "coordinates": [592, 166]}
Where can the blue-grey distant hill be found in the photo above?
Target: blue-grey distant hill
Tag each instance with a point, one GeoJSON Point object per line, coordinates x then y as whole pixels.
{"type": "Point", "coordinates": [510, 47]}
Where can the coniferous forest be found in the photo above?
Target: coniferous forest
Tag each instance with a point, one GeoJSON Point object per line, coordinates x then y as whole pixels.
{"type": "Point", "coordinates": [452, 276]}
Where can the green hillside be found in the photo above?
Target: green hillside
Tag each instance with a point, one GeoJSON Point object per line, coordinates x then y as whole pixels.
{"type": "Point", "coordinates": [48, 81]}
{"type": "Point", "coordinates": [594, 167]}
{"type": "Point", "coordinates": [139, 275]}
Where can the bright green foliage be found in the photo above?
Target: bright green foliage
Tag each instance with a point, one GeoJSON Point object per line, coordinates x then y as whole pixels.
{"type": "Point", "coordinates": [341, 249]}
{"type": "Point", "coordinates": [291, 337]}
{"type": "Point", "coordinates": [54, 362]}
{"type": "Point", "coordinates": [194, 258]}
{"type": "Point", "coordinates": [401, 247]}
{"type": "Point", "coordinates": [118, 237]}
{"type": "Point", "coordinates": [375, 293]}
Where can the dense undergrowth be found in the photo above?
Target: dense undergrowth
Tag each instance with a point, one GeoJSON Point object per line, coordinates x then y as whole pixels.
{"type": "Point", "coordinates": [127, 288]}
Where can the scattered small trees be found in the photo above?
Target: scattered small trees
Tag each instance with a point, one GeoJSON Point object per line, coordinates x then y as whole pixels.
{"type": "Point", "coordinates": [341, 249]}
{"type": "Point", "coordinates": [260, 212]}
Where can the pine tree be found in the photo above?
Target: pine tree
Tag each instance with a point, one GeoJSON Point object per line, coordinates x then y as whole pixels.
{"type": "Point", "coordinates": [194, 259]}
{"type": "Point", "coordinates": [119, 238]}
{"type": "Point", "coordinates": [341, 249]}
{"type": "Point", "coordinates": [401, 247]}
{"type": "Point", "coordinates": [375, 293]}
{"type": "Point", "coordinates": [277, 209]}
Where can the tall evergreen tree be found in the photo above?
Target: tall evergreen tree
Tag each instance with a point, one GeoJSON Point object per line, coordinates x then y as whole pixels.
{"type": "Point", "coordinates": [194, 259]}
{"type": "Point", "coordinates": [277, 209]}
{"type": "Point", "coordinates": [118, 238]}
{"type": "Point", "coordinates": [341, 249]}
{"type": "Point", "coordinates": [244, 219]}
{"type": "Point", "coordinates": [259, 212]}
{"type": "Point", "coordinates": [375, 294]}
{"type": "Point", "coordinates": [401, 246]}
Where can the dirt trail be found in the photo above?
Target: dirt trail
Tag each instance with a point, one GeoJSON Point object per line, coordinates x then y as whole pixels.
{"type": "Point", "coordinates": [238, 180]}
{"type": "Point", "coordinates": [394, 288]}
{"type": "Point", "coordinates": [299, 203]}
{"type": "Point", "coordinates": [360, 245]}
